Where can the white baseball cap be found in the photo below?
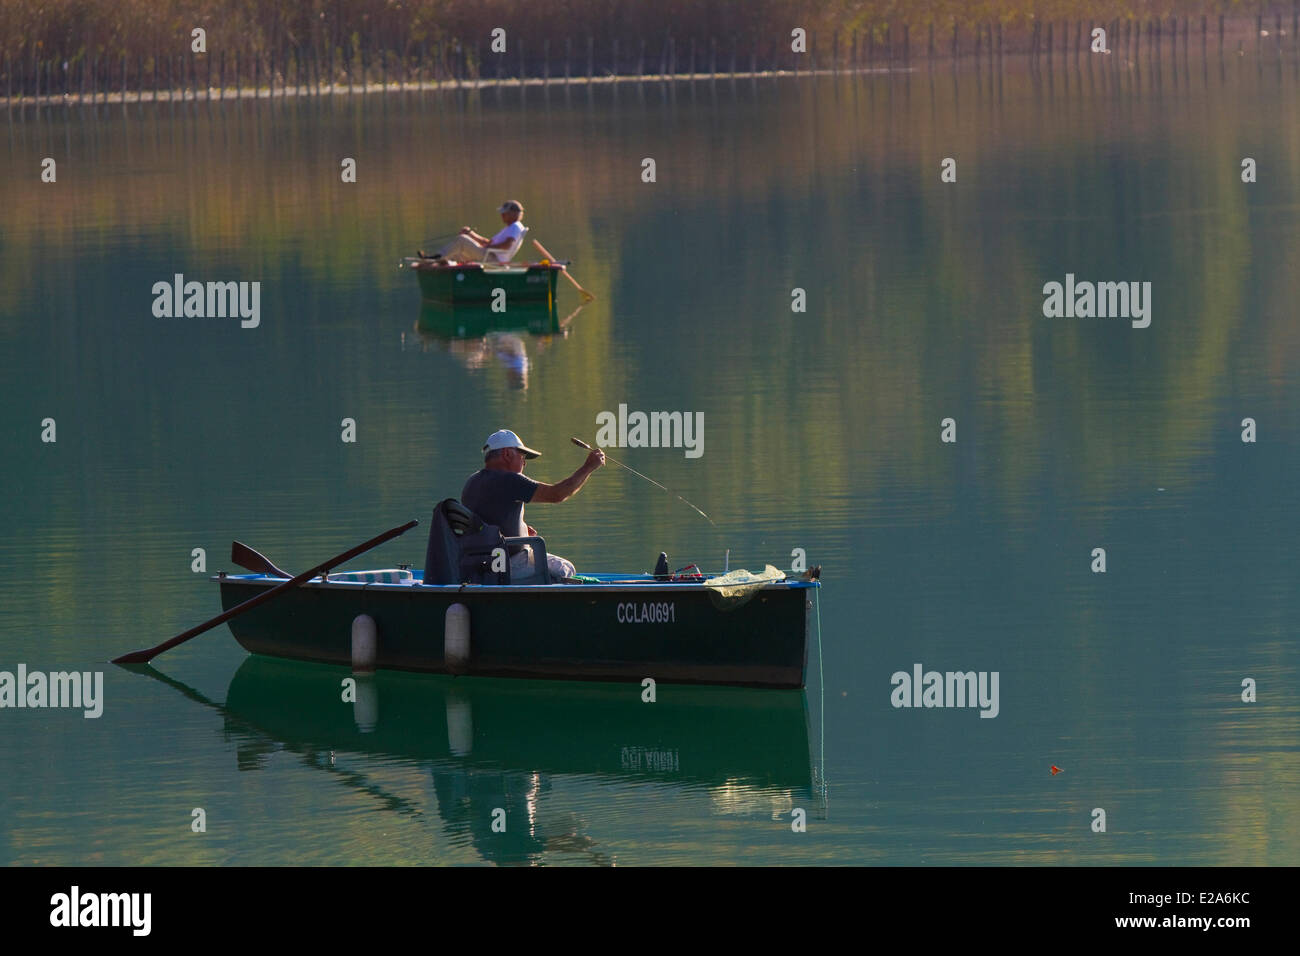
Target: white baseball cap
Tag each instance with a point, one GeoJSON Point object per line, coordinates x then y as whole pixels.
{"type": "Point", "coordinates": [508, 439]}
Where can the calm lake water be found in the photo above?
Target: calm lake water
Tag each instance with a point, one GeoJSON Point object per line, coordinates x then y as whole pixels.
{"type": "Point", "coordinates": [822, 431]}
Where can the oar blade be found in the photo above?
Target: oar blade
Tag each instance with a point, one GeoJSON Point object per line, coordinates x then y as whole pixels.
{"type": "Point", "coordinates": [244, 556]}
{"type": "Point", "coordinates": [135, 657]}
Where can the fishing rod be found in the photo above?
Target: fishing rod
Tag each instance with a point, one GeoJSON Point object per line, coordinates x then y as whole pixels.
{"type": "Point", "coordinates": [436, 244]}
{"type": "Point", "coordinates": [582, 444]}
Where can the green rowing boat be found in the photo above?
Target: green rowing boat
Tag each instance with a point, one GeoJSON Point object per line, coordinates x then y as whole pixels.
{"type": "Point", "coordinates": [447, 281]}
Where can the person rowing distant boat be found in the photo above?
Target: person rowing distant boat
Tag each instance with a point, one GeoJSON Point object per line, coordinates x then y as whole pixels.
{"type": "Point", "coordinates": [499, 490]}
{"type": "Point", "coordinates": [501, 248]}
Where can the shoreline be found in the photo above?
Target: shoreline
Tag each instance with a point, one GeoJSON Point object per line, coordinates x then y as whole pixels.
{"type": "Point", "coordinates": [1133, 41]}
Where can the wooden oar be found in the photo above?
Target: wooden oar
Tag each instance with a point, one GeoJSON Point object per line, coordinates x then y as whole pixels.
{"type": "Point", "coordinates": [143, 657]}
{"type": "Point", "coordinates": [247, 558]}
{"type": "Point", "coordinates": [586, 296]}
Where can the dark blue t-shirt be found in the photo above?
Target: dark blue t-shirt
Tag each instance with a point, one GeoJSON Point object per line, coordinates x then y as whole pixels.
{"type": "Point", "coordinates": [498, 498]}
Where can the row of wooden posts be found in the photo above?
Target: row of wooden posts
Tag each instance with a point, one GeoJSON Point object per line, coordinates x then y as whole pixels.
{"type": "Point", "coordinates": [216, 75]}
{"type": "Point", "coordinates": [1127, 35]}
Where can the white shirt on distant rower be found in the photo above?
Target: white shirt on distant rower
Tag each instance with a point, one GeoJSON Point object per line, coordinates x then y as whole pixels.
{"type": "Point", "coordinates": [515, 233]}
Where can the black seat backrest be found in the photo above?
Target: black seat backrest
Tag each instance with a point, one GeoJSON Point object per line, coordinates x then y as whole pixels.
{"type": "Point", "coordinates": [461, 519]}
{"type": "Point", "coordinates": [460, 547]}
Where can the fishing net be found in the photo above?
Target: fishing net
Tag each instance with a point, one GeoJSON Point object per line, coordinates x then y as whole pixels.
{"type": "Point", "coordinates": [736, 588]}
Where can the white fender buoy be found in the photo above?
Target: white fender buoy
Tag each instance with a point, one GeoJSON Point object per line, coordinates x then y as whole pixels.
{"type": "Point", "coordinates": [455, 644]}
{"type": "Point", "coordinates": [365, 709]}
{"type": "Point", "coordinates": [365, 643]}
{"type": "Point", "coordinates": [460, 725]}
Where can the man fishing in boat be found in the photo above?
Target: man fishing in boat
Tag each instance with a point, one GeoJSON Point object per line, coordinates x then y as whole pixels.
{"type": "Point", "coordinates": [499, 490]}
{"type": "Point", "coordinates": [501, 248]}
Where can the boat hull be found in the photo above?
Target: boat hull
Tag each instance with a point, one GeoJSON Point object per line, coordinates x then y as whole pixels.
{"type": "Point", "coordinates": [474, 283]}
{"type": "Point", "coordinates": [680, 633]}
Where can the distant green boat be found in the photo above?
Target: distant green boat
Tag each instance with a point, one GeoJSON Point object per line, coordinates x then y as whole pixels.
{"type": "Point", "coordinates": [443, 281]}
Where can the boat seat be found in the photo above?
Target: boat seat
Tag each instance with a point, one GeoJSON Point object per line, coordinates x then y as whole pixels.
{"type": "Point", "coordinates": [461, 545]}
{"type": "Point", "coordinates": [541, 566]}
{"type": "Point", "coordinates": [461, 519]}
{"type": "Point", "coordinates": [509, 252]}
{"type": "Point", "coordinates": [386, 576]}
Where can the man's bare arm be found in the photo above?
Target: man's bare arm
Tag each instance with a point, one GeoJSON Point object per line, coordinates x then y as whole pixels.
{"type": "Point", "coordinates": [563, 490]}
{"type": "Point", "coordinates": [484, 241]}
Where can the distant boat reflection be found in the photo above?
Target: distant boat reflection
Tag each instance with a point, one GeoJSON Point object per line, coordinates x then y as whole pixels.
{"type": "Point", "coordinates": [480, 337]}
{"type": "Point", "coordinates": [498, 745]}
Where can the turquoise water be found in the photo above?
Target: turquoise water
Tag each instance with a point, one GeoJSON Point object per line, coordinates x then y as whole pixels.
{"type": "Point", "coordinates": [822, 431]}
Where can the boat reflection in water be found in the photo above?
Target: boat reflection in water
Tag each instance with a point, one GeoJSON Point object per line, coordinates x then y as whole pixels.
{"type": "Point", "coordinates": [479, 337]}
{"type": "Point", "coordinates": [504, 743]}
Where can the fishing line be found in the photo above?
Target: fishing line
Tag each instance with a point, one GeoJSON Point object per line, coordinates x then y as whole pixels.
{"type": "Point", "coordinates": [582, 444]}
{"type": "Point", "coordinates": [821, 681]}
{"type": "Point", "coordinates": [436, 244]}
